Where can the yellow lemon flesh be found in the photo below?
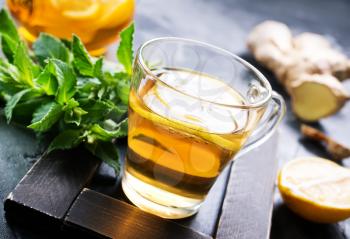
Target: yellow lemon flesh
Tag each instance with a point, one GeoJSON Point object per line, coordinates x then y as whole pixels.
{"type": "Point", "coordinates": [77, 9]}
{"type": "Point", "coordinates": [316, 189]}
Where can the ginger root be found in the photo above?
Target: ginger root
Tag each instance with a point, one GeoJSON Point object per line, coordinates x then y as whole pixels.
{"type": "Point", "coordinates": [307, 65]}
{"type": "Point", "coordinates": [337, 150]}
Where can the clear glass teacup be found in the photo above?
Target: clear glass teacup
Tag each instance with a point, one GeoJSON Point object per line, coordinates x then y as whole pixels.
{"type": "Point", "coordinates": [193, 108]}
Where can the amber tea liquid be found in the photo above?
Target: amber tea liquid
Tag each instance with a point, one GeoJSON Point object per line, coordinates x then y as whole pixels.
{"type": "Point", "coordinates": [178, 142]}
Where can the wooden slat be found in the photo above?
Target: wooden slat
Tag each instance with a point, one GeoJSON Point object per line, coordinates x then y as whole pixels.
{"type": "Point", "coordinates": [247, 207]}
{"type": "Point", "coordinates": [102, 216]}
{"type": "Point", "coordinates": [46, 192]}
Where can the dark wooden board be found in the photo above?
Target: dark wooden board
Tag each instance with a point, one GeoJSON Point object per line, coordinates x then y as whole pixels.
{"type": "Point", "coordinates": [102, 216]}
{"type": "Point", "coordinates": [247, 208]}
{"type": "Point", "coordinates": [46, 192]}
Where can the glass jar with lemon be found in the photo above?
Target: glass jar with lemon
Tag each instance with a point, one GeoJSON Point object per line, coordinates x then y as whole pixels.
{"type": "Point", "coordinates": [96, 22]}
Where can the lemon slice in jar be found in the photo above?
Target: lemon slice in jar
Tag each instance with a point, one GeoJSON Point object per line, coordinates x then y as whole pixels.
{"type": "Point", "coordinates": [316, 189]}
{"type": "Point", "coordinates": [78, 9]}
{"type": "Point", "coordinates": [116, 13]}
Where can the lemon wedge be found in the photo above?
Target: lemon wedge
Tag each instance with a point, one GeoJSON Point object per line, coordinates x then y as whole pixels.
{"type": "Point", "coordinates": [316, 189]}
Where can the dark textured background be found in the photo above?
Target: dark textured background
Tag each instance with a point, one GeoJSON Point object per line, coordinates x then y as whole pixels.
{"type": "Point", "coordinates": [224, 23]}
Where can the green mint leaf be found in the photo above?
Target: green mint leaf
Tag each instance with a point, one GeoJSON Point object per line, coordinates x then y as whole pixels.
{"type": "Point", "coordinates": [71, 118]}
{"type": "Point", "coordinates": [46, 116]}
{"type": "Point", "coordinates": [118, 112]}
{"type": "Point", "coordinates": [23, 112]}
{"type": "Point", "coordinates": [79, 111]}
{"type": "Point", "coordinates": [8, 87]}
{"type": "Point", "coordinates": [66, 81]}
{"type": "Point", "coordinates": [81, 58]}
{"type": "Point", "coordinates": [107, 152]}
{"type": "Point", "coordinates": [123, 128]}
{"type": "Point", "coordinates": [86, 87]}
{"type": "Point", "coordinates": [72, 103]}
{"type": "Point", "coordinates": [98, 68]}
{"type": "Point", "coordinates": [123, 91]}
{"type": "Point", "coordinates": [66, 140]}
{"type": "Point", "coordinates": [101, 92]}
{"type": "Point", "coordinates": [122, 82]}
{"type": "Point", "coordinates": [96, 110]}
{"type": "Point", "coordinates": [121, 76]}
{"type": "Point", "coordinates": [9, 78]}
{"type": "Point", "coordinates": [9, 72]}
{"type": "Point", "coordinates": [8, 26]}
{"type": "Point", "coordinates": [74, 116]}
{"type": "Point", "coordinates": [47, 46]}
{"type": "Point", "coordinates": [106, 135]}
{"type": "Point", "coordinates": [100, 133]}
{"type": "Point", "coordinates": [24, 64]}
{"type": "Point", "coordinates": [9, 34]}
{"type": "Point", "coordinates": [111, 79]}
{"type": "Point", "coordinates": [47, 81]}
{"type": "Point", "coordinates": [11, 104]}
{"type": "Point", "coordinates": [6, 45]}
{"type": "Point", "coordinates": [125, 51]}
{"type": "Point", "coordinates": [67, 43]}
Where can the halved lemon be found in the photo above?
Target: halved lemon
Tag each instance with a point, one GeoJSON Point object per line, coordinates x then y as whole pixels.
{"type": "Point", "coordinates": [316, 189]}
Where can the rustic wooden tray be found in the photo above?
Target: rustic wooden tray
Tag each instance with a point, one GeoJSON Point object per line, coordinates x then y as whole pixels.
{"type": "Point", "coordinates": [69, 193]}
{"type": "Point", "coordinates": [225, 23]}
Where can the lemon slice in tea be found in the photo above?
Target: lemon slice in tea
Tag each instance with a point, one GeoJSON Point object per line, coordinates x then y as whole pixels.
{"type": "Point", "coordinates": [182, 101]}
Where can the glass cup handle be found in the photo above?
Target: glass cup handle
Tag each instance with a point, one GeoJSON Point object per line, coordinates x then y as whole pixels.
{"type": "Point", "coordinates": [275, 111]}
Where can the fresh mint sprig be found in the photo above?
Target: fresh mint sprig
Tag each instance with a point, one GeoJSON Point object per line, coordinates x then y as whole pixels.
{"type": "Point", "coordinates": [59, 88]}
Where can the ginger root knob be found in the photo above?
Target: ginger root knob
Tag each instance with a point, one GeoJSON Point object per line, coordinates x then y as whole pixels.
{"type": "Point", "coordinates": [307, 65]}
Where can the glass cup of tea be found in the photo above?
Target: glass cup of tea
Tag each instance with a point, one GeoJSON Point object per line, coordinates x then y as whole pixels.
{"type": "Point", "coordinates": [96, 22]}
{"type": "Point", "coordinates": [193, 108]}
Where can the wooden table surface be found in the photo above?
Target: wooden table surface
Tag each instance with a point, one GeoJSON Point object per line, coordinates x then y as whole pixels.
{"type": "Point", "coordinates": [224, 23]}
